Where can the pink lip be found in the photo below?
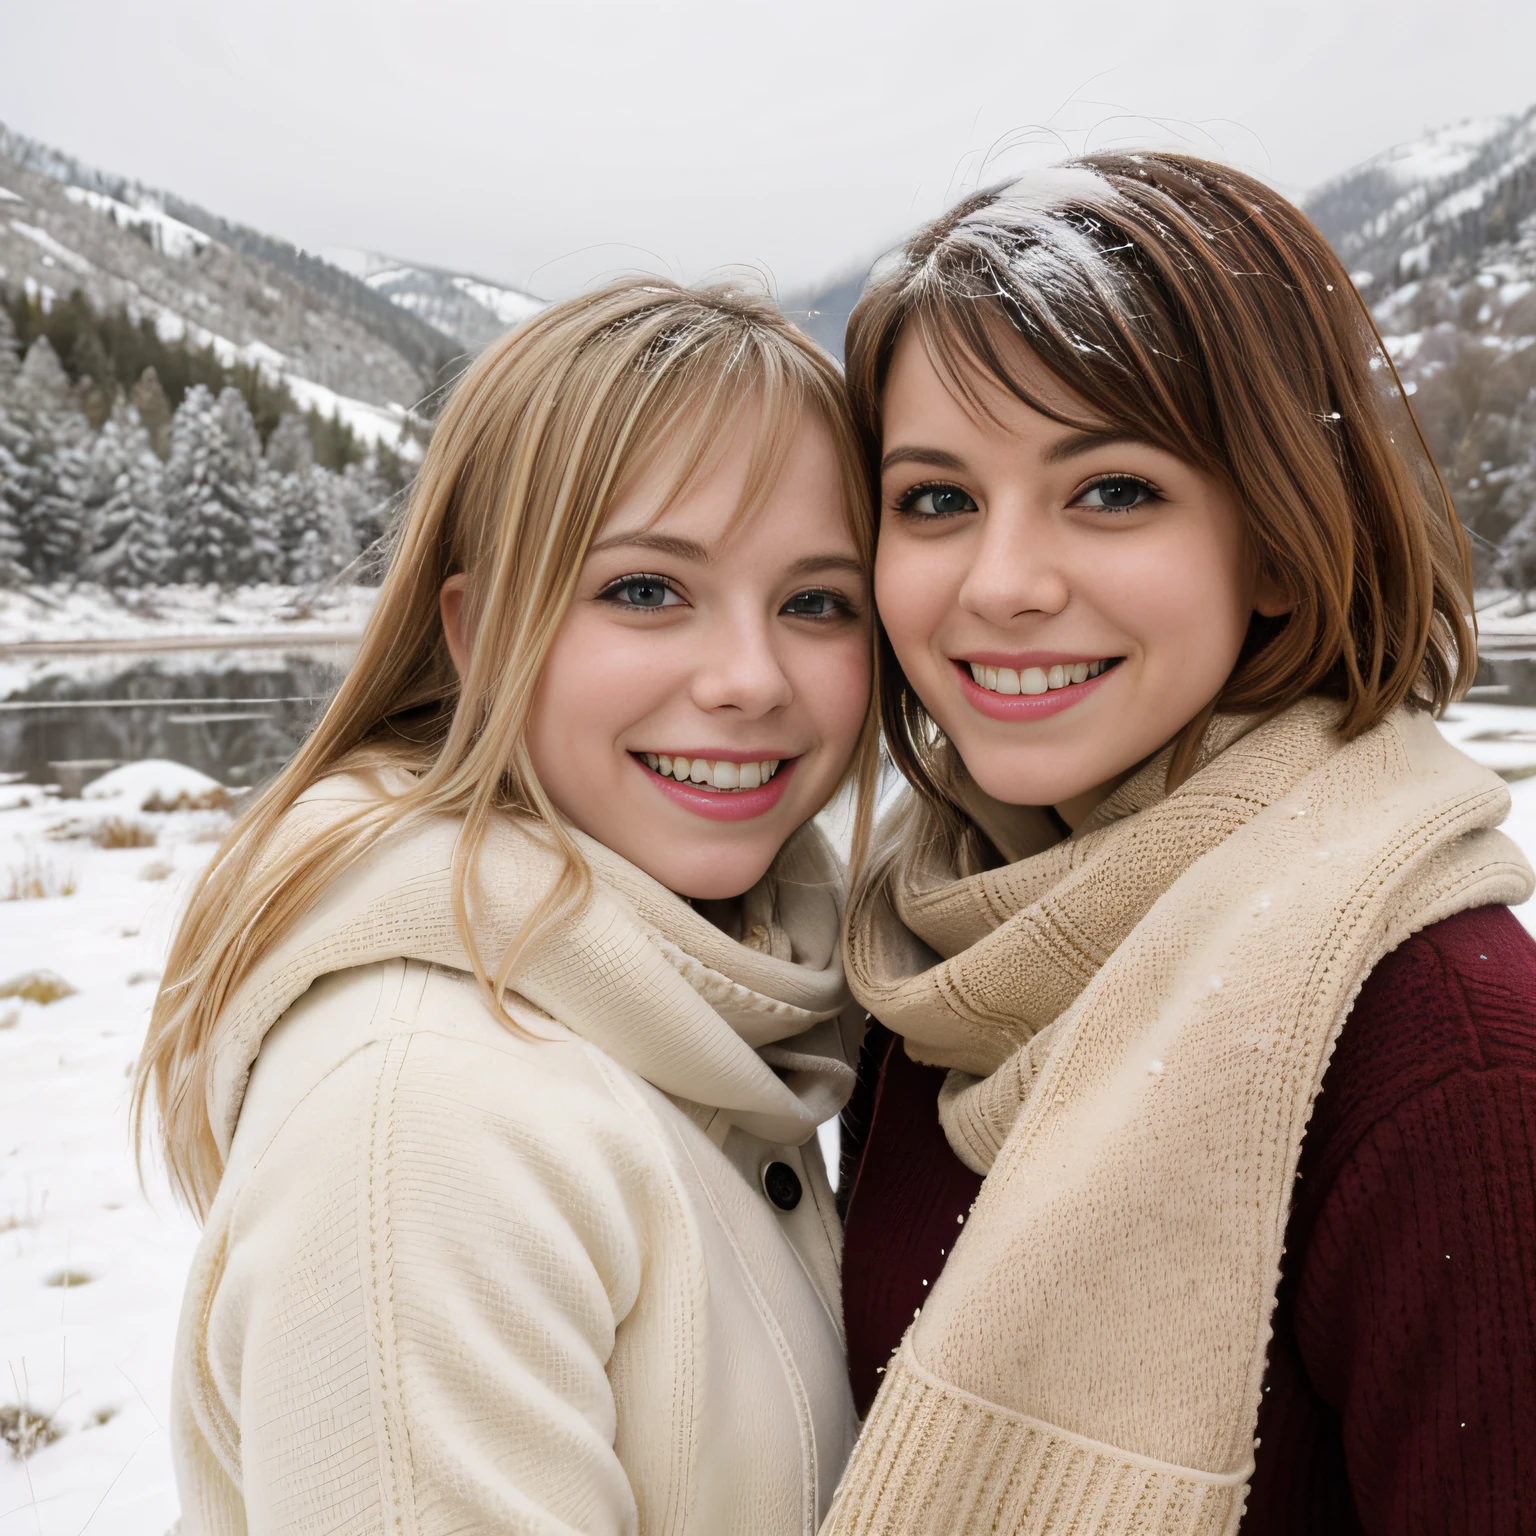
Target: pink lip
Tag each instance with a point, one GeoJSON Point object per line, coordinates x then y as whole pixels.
{"type": "Point", "coordinates": [729, 805]}
{"type": "Point", "coordinates": [1025, 706]}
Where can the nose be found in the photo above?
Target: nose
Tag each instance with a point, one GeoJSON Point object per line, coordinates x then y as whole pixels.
{"type": "Point", "coordinates": [740, 668]}
{"type": "Point", "coordinates": [1018, 568]}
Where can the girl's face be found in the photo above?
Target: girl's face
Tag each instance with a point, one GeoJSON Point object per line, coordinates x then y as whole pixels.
{"type": "Point", "coordinates": [1062, 601]}
{"type": "Point", "coordinates": [707, 688]}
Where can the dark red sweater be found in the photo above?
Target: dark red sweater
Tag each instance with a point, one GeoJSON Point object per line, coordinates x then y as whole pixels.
{"type": "Point", "coordinates": [1401, 1390]}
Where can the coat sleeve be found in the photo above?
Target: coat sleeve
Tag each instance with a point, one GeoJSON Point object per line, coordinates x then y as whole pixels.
{"type": "Point", "coordinates": [1416, 1309]}
{"type": "Point", "coordinates": [421, 1284]}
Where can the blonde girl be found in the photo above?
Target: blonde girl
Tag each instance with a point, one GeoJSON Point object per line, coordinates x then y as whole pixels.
{"type": "Point", "coordinates": [493, 1043]}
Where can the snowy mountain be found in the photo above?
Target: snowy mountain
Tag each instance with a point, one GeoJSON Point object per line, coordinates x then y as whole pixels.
{"type": "Point", "coordinates": [472, 310]}
{"type": "Point", "coordinates": [1440, 236]}
{"type": "Point", "coordinates": [1440, 206]}
{"type": "Point", "coordinates": [337, 344]}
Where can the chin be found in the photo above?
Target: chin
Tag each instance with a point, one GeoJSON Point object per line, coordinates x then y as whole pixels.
{"type": "Point", "coordinates": [711, 874]}
{"type": "Point", "coordinates": [1015, 783]}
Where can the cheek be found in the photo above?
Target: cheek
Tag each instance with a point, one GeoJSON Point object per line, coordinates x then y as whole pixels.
{"type": "Point", "coordinates": [596, 680]}
{"type": "Point", "coordinates": [1184, 599]}
{"type": "Point", "coordinates": [832, 681]}
{"type": "Point", "coordinates": [916, 586]}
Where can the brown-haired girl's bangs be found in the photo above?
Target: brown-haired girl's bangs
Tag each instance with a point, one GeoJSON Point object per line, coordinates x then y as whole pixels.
{"type": "Point", "coordinates": [1187, 304]}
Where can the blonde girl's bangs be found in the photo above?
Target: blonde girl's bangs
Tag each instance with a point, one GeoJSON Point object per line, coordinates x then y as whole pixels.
{"type": "Point", "coordinates": [535, 445]}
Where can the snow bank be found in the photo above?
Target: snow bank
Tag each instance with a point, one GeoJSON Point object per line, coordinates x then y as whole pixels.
{"type": "Point", "coordinates": [88, 614]}
{"type": "Point", "coordinates": [157, 785]}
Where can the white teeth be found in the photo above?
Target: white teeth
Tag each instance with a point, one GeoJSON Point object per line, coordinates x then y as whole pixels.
{"type": "Point", "coordinates": [1033, 680]}
{"type": "Point", "coordinates": [714, 775]}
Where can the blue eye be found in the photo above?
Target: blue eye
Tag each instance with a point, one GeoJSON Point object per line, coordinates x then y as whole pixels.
{"type": "Point", "coordinates": [815, 604]}
{"type": "Point", "coordinates": [936, 501]}
{"type": "Point", "coordinates": [640, 592]}
{"type": "Point", "coordinates": [1118, 493]}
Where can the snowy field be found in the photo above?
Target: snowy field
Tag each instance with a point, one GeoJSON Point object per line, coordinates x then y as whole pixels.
{"type": "Point", "coordinates": [91, 1266]}
{"type": "Point", "coordinates": [80, 614]}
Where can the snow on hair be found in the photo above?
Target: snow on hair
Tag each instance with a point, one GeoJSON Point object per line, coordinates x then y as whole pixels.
{"type": "Point", "coordinates": [1186, 304]}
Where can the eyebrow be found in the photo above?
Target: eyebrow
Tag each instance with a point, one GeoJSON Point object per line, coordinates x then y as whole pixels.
{"type": "Point", "coordinates": [1072, 447]}
{"type": "Point", "coordinates": [663, 543]}
{"type": "Point", "coordinates": [936, 458]}
{"type": "Point", "coordinates": [1079, 443]}
{"type": "Point", "coordinates": [691, 549]}
{"type": "Point", "coordinates": [827, 562]}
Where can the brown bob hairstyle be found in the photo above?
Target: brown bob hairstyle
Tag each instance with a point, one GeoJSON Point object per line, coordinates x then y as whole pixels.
{"type": "Point", "coordinates": [1190, 306]}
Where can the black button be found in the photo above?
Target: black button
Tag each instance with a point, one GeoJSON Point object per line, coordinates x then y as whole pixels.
{"type": "Point", "coordinates": [782, 1185]}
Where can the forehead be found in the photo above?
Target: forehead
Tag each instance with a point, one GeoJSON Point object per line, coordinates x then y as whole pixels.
{"type": "Point", "coordinates": [935, 383]}
{"type": "Point", "coordinates": [745, 497]}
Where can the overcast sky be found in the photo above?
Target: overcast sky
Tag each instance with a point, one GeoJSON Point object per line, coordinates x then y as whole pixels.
{"type": "Point", "coordinates": [547, 144]}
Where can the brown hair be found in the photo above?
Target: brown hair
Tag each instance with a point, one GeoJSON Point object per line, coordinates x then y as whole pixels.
{"type": "Point", "coordinates": [1189, 305]}
{"type": "Point", "coordinates": [543, 435]}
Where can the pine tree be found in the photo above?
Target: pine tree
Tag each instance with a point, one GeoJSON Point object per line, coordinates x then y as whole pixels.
{"type": "Point", "coordinates": [148, 399]}
{"type": "Point", "coordinates": [125, 505]}
{"type": "Point", "coordinates": [51, 439]}
{"type": "Point", "coordinates": [10, 356]}
{"type": "Point", "coordinates": [367, 501]}
{"type": "Point", "coordinates": [13, 570]}
{"type": "Point", "coordinates": [309, 518]}
{"type": "Point", "coordinates": [218, 514]}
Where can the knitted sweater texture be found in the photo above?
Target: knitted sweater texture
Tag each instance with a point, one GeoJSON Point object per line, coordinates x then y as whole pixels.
{"type": "Point", "coordinates": [1138, 1021]}
{"type": "Point", "coordinates": [1401, 1387]}
{"type": "Point", "coordinates": [466, 1276]}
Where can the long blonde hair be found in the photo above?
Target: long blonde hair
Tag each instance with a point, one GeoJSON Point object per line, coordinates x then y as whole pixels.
{"type": "Point", "coordinates": [543, 435]}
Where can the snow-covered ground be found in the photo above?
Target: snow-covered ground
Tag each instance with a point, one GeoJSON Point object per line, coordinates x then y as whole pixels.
{"type": "Point", "coordinates": [91, 1265]}
{"type": "Point", "coordinates": [93, 1356]}
{"type": "Point", "coordinates": [82, 614]}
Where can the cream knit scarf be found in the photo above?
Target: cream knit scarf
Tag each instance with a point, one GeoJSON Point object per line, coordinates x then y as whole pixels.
{"type": "Point", "coordinates": [1139, 1019]}
{"type": "Point", "coordinates": [735, 1032]}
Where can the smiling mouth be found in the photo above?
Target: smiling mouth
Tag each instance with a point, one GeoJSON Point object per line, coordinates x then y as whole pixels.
{"type": "Point", "coordinates": [717, 774]}
{"type": "Point", "coordinates": [1033, 680]}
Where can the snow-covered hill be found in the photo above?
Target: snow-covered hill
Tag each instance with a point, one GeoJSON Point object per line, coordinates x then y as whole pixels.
{"type": "Point", "coordinates": [349, 331]}
{"type": "Point", "coordinates": [472, 310]}
{"type": "Point", "coordinates": [1440, 236]}
{"type": "Point", "coordinates": [252, 298]}
{"type": "Point", "coordinates": [1440, 206]}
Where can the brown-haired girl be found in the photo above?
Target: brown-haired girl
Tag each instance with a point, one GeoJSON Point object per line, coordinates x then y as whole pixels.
{"type": "Point", "coordinates": [493, 1045]}
{"type": "Point", "coordinates": [1189, 943]}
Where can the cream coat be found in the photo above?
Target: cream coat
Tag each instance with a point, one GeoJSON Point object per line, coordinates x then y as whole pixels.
{"type": "Point", "coordinates": [457, 1280]}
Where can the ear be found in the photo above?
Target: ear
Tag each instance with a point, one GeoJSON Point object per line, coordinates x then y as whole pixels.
{"type": "Point", "coordinates": [453, 603]}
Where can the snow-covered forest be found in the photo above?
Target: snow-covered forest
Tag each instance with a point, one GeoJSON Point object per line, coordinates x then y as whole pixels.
{"type": "Point", "coordinates": [151, 493]}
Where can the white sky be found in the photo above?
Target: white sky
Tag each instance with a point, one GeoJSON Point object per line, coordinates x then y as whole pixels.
{"type": "Point", "coordinates": [549, 142]}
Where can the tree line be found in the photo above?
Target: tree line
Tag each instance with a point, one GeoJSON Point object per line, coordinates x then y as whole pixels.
{"type": "Point", "coordinates": [133, 460]}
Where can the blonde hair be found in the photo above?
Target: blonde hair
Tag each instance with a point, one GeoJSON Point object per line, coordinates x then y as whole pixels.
{"type": "Point", "coordinates": [544, 434]}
